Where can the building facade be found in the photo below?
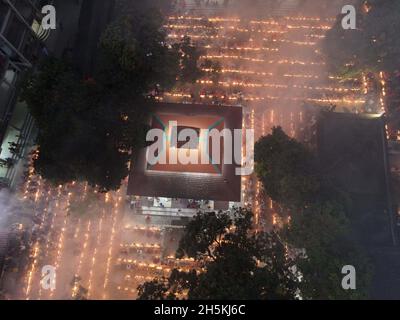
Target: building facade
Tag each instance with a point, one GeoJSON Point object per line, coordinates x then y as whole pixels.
{"type": "Point", "coordinates": [21, 38]}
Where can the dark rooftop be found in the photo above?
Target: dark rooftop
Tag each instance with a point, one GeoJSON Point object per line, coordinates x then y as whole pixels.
{"type": "Point", "coordinates": [353, 151]}
{"type": "Point", "coordinates": [189, 182]}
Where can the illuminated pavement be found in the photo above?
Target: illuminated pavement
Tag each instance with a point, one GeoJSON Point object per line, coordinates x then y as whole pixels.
{"type": "Point", "coordinates": [86, 236]}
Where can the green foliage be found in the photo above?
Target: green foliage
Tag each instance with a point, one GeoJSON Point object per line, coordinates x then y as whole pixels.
{"type": "Point", "coordinates": [189, 56]}
{"type": "Point", "coordinates": [89, 127]}
{"type": "Point", "coordinates": [216, 225]}
{"type": "Point", "coordinates": [134, 56]}
{"type": "Point", "coordinates": [81, 136]}
{"type": "Point", "coordinates": [319, 226]}
{"type": "Point", "coordinates": [286, 168]}
{"type": "Point", "coordinates": [373, 46]}
{"type": "Point", "coordinates": [325, 234]}
{"type": "Point", "coordinates": [237, 262]}
{"type": "Point", "coordinates": [214, 68]}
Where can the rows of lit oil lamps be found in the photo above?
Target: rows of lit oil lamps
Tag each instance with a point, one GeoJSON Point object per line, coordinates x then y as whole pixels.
{"type": "Point", "coordinates": [111, 243]}
{"type": "Point", "coordinates": [240, 72]}
{"type": "Point", "coordinates": [281, 61]}
{"type": "Point", "coordinates": [273, 27]}
{"type": "Point", "coordinates": [255, 98]}
{"type": "Point", "coordinates": [151, 229]}
{"type": "Point", "coordinates": [35, 250]}
{"type": "Point", "coordinates": [256, 29]}
{"type": "Point", "coordinates": [209, 37]}
{"type": "Point", "coordinates": [382, 101]}
{"type": "Point", "coordinates": [270, 74]}
{"type": "Point", "coordinates": [40, 249]}
{"type": "Point", "coordinates": [230, 27]}
{"type": "Point", "coordinates": [150, 264]}
{"type": "Point", "coordinates": [140, 271]}
{"type": "Point", "coordinates": [384, 104]}
{"type": "Point", "coordinates": [275, 62]}
{"type": "Point", "coordinates": [249, 97]}
{"type": "Point", "coordinates": [252, 97]}
{"type": "Point", "coordinates": [87, 229]}
{"type": "Point", "coordinates": [204, 37]}
{"type": "Point", "coordinates": [131, 282]}
{"type": "Point", "coordinates": [58, 229]}
{"type": "Point", "coordinates": [243, 84]}
{"type": "Point", "coordinates": [249, 121]}
{"type": "Point", "coordinates": [136, 245]}
{"type": "Point", "coordinates": [192, 35]}
{"type": "Point", "coordinates": [239, 48]}
{"type": "Point", "coordinates": [257, 85]}
{"type": "Point", "coordinates": [61, 241]}
{"type": "Point", "coordinates": [257, 208]}
{"type": "Point", "coordinates": [52, 232]}
{"type": "Point", "coordinates": [249, 48]}
{"type": "Point", "coordinates": [155, 266]}
{"type": "Point", "coordinates": [326, 22]}
{"type": "Point", "coordinates": [383, 91]}
{"type": "Point", "coordinates": [94, 256]}
{"type": "Point", "coordinates": [75, 287]}
{"type": "Point", "coordinates": [236, 19]}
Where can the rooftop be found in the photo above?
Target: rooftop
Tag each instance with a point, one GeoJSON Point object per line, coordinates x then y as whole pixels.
{"type": "Point", "coordinates": [192, 181]}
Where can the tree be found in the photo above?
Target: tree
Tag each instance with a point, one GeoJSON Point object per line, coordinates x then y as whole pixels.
{"type": "Point", "coordinates": [213, 69]}
{"type": "Point", "coordinates": [319, 232]}
{"type": "Point", "coordinates": [287, 169]}
{"type": "Point", "coordinates": [237, 262]}
{"type": "Point", "coordinates": [134, 56]}
{"type": "Point", "coordinates": [189, 57]}
{"type": "Point", "coordinates": [89, 126]}
{"type": "Point", "coordinates": [374, 46]}
{"type": "Point", "coordinates": [324, 234]}
{"type": "Point", "coordinates": [80, 136]}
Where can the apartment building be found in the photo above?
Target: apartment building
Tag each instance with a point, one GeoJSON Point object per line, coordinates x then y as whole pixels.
{"type": "Point", "coordinates": [21, 38]}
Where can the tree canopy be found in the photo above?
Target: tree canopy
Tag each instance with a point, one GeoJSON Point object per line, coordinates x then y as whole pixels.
{"type": "Point", "coordinates": [319, 217]}
{"type": "Point", "coordinates": [325, 234]}
{"type": "Point", "coordinates": [303, 259]}
{"type": "Point", "coordinates": [235, 262]}
{"type": "Point", "coordinates": [286, 168]}
{"type": "Point", "coordinates": [373, 46]}
{"type": "Point", "coordinates": [89, 125]}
